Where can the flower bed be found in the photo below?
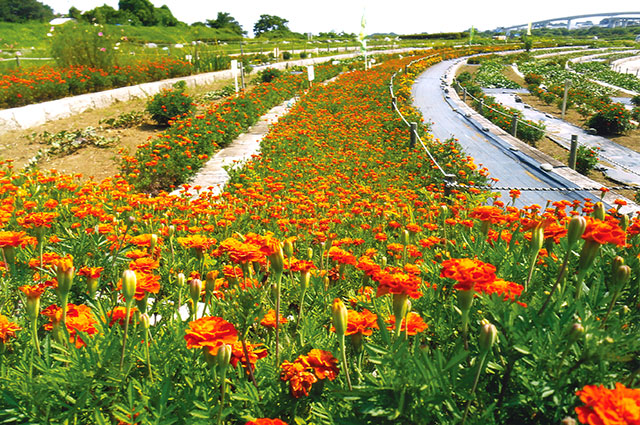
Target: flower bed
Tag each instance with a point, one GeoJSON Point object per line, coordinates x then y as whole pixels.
{"type": "Point", "coordinates": [19, 88]}
{"type": "Point", "coordinates": [333, 282]}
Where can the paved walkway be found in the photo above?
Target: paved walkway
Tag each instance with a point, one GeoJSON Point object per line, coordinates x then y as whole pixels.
{"type": "Point", "coordinates": [213, 176]}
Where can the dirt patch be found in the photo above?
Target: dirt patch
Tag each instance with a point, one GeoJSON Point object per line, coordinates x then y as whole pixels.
{"type": "Point", "coordinates": [511, 74]}
{"type": "Point", "coordinates": [471, 69]}
{"type": "Point", "coordinates": [91, 162]}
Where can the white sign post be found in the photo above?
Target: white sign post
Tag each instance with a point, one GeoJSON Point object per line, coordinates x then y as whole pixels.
{"type": "Point", "coordinates": [310, 74]}
{"type": "Point", "coordinates": [234, 72]}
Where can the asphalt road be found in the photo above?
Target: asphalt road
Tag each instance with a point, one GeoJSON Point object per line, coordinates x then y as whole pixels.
{"type": "Point", "coordinates": [513, 169]}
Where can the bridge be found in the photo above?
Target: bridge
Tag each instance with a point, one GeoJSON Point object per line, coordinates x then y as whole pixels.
{"type": "Point", "coordinates": [610, 20]}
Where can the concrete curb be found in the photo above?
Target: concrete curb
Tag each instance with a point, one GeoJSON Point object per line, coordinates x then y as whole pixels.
{"type": "Point", "coordinates": [39, 113]}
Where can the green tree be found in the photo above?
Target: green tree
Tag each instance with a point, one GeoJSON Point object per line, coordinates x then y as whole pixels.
{"type": "Point", "coordinates": [164, 17]}
{"type": "Point", "coordinates": [104, 14]}
{"type": "Point", "coordinates": [142, 9]}
{"type": "Point", "coordinates": [226, 21]}
{"type": "Point", "coordinates": [24, 10]}
{"type": "Point", "coordinates": [270, 23]}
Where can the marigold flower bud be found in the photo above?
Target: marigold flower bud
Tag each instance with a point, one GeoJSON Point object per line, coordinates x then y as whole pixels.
{"type": "Point", "coordinates": [181, 279]}
{"type": "Point", "coordinates": [443, 211]}
{"type": "Point", "coordinates": [224, 356]}
{"type": "Point", "coordinates": [598, 211]}
{"type": "Point", "coordinates": [465, 299]}
{"type": "Point", "coordinates": [568, 421]}
{"type": "Point", "coordinates": [277, 261]}
{"type": "Point", "coordinates": [210, 282]}
{"type": "Point", "coordinates": [64, 274]}
{"type": "Point", "coordinates": [588, 254]}
{"type": "Point", "coordinates": [153, 242]}
{"type": "Point", "coordinates": [575, 333]}
{"type": "Point", "coordinates": [537, 240]}
{"type": "Point", "coordinates": [33, 308]}
{"type": "Point", "coordinates": [488, 336]}
{"type": "Point", "coordinates": [309, 253]}
{"type": "Point", "coordinates": [195, 288]}
{"type": "Point", "coordinates": [339, 313]}
{"type": "Point", "coordinates": [577, 226]}
{"type": "Point", "coordinates": [306, 277]}
{"type": "Point", "coordinates": [92, 286]}
{"type": "Point", "coordinates": [172, 231]}
{"type": "Point", "coordinates": [400, 306]}
{"type": "Point", "coordinates": [144, 321]}
{"type": "Point", "coordinates": [624, 221]}
{"type": "Point", "coordinates": [622, 275]}
{"type": "Point", "coordinates": [405, 237]}
{"type": "Point", "coordinates": [129, 283]}
{"type": "Point", "coordinates": [288, 248]}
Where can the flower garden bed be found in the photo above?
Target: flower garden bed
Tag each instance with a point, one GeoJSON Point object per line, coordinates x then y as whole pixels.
{"type": "Point", "coordinates": [457, 312]}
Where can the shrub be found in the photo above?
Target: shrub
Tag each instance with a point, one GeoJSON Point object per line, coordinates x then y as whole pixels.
{"type": "Point", "coordinates": [635, 113]}
{"type": "Point", "coordinates": [76, 44]}
{"type": "Point", "coordinates": [611, 119]}
{"type": "Point", "coordinates": [303, 55]}
{"type": "Point", "coordinates": [533, 79]}
{"type": "Point", "coordinates": [286, 55]}
{"type": "Point", "coordinates": [170, 103]}
{"type": "Point", "coordinates": [463, 77]}
{"type": "Point", "coordinates": [586, 159]}
{"type": "Point", "coordinates": [635, 100]}
{"type": "Point", "coordinates": [269, 75]}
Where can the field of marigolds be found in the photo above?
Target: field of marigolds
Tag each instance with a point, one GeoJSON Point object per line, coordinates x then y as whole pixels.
{"type": "Point", "coordinates": [335, 281]}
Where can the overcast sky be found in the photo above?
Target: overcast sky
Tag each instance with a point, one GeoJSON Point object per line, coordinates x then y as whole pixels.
{"type": "Point", "coordinates": [399, 16]}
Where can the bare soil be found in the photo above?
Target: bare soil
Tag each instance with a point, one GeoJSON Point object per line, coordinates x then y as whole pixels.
{"type": "Point", "coordinates": [89, 161]}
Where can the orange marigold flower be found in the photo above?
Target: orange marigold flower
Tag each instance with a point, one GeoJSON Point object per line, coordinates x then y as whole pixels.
{"type": "Point", "coordinates": [144, 240]}
{"type": "Point", "coordinates": [393, 280]}
{"type": "Point", "coordinates": [7, 329]}
{"type": "Point", "coordinates": [118, 314]}
{"type": "Point", "coordinates": [468, 272]}
{"type": "Point", "coordinates": [38, 219]}
{"type": "Point", "coordinates": [487, 213]}
{"type": "Point", "coordinates": [302, 266]}
{"type": "Point", "coordinates": [91, 272]}
{"type": "Point", "coordinates": [199, 243]}
{"type": "Point", "coordinates": [239, 252]}
{"type": "Point", "coordinates": [210, 333]}
{"type": "Point", "coordinates": [609, 407]}
{"type": "Point", "coordinates": [269, 319]}
{"type": "Point", "coordinates": [604, 232]}
{"type": "Point", "coordinates": [256, 352]}
{"type": "Point", "coordinates": [510, 290]}
{"type": "Point", "coordinates": [323, 364]}
{"type": "Point", "coordinates": [299, 377]}
{"type": "Point", "coordinates": [13, 239]}
{"type": "Point", "coordinates": [144, 265]}
{"type": "Point", "coordinates": [341, 256]}
{"type": "Point", "coordinates": [33, 291]}
{"type": "Point", "coordinates": [79, 319]}
{"type": "Point", "coordinates": [146, 283]}
{"type": "Point", "coordinates": [412, 324]}
{"type": "Point", "coordinates": [360, 322]}
{"type": "Point", "coordinates": [266, 421]}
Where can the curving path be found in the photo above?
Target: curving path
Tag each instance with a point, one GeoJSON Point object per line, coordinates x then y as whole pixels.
{"type": "Point", "coordinates": [509, 161]}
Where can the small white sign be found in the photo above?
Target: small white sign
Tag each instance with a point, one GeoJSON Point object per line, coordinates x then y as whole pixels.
{"type": "Point", "coordinates": [310, 73]}
{"type": "Point", "coordinates": [234, 71]}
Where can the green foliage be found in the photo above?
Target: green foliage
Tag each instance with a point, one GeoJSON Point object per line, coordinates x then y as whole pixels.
{"type": "Point", "coordinates": [534, 79]}
{"type": "Point", "coordinates": [76, 44]}
{"type": "Point", "coordinates": [225, 20]}
{"type": "Point", "coordinates": [286, 55]}
{"type": "Point", "coordinates": [586, 159]}
{"type": "Point", "coordinates": [611, 119]}
{"type": "Point", "coordinates": [635, 113]}
{"type": "Point", "coordinates": [170, 103]}
{"type": "Point", "coordinates": [124, 120]}
{"type": "Point", "coordinates": [490, 75]}
{"type": "Point", "coordinates": [24, 10]}
{"type": "Point", "coordinates": [269, 75]}
{"type": "Point", "coordinates": [270, 23]}
{"type": "Point", "coordinates": [132, 12]}
{"type": "Point", "coordinates": [635, 100]}
{"type": "Point", "coordinates": [218, 94]}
